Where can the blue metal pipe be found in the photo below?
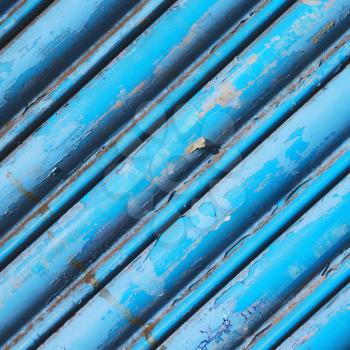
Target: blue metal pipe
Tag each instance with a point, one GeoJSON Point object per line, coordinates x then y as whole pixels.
{"type": "Point", "coordinates": [98, 110]}
{"type": "Point", "coordinates": [166, 321]}
{"type": "Point", "coordinates": [14, 15]}
{"type": "Point", "coordinates": [306, 307]}
{"type": "Point", "coordinates": [93, 170]}
{"type": "Point", "coordinates": [91, 234]}
{"type": "Point", "coordinates": [5, 5]}
{"type": "Point", "coordinates": [83, 69]}
{"type": "Point", "coordinates": [119, 254]}
{"type": "Point", "coordinates": [270, 280]}
{"type": "Point", "coordinates": [38, 54]}
{"type": "Point", "coordinates": [204, 231]}
{"type": "Point", "coordinates": [328, 328]}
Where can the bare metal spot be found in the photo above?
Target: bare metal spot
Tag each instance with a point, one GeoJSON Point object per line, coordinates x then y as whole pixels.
{"type": "Point", "coordinates": [226, 95]}
{"type": "Point", "coordinates": [200, 143]}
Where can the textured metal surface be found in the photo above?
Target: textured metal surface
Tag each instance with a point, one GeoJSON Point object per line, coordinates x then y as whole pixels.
{"type": "Point", "coordinates": [174, 174]}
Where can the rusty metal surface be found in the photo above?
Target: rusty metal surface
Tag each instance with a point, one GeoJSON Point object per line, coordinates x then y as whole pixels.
{"type": "Point", "coordinates": [174, 174]}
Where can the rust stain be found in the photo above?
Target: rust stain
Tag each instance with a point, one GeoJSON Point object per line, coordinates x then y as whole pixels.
{"type": "Point", "coordinates": [332, 160]}
{"type": "Point", "coordinates": [319, 36]}
{"type": "Point", "coordinates": [117, 105]}
{"type": "Point", "coordinates": [339, 45]}
{"type": "Point", "coordinates": [126, 313]}
{"type": "Point", "coordinates": [329, 4]}
{"type": "Point", "coordinates": [323, 168]}
{"type": "Point", "coordinates": [75, 66]}
{"type": "Point", "coordinates": [20, 188]}
{"type": "Point", "coordinates": [137, 89]}
{"type": "Point", "coordinates": [136, 321]}
{"type": "Point", "coordinates": [191, 35]}
{"type": "Point", "coordinates": [51, 235]}
{"type": "Point", "coordinates": [44, 207]}
{"type": "Point", "coordinates": [287, 308]}
{"type": "Point", "coordinates": [182, 295]}
{"type": "Point", "coordinates": [302, 295]}
{"type": "Point", "coordinates": [100, 153]}
{"type": "Point", "coordinates": [88, 277]}
{"type": "Point", "coordinates": [8, 126]}
{"type": "Point", "coordinates": [89, 53]}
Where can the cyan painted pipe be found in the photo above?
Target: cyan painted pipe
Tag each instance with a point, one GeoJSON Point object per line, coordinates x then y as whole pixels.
{"type": "Point", "coordinates": [115, 258]}
{"type": "Point", "coordinates": [166, 321]}
{"type": "Point", "coordinates": [71, 242]}
{"type": "Point", "coordinates": [270, 280]}
{"type": "Point", "coordinates": [124, 31]}
{"type": "Point", "coordinates": [329, 328]}
{"type": "Point", "coordinates": [222, 215]}
{"type": "Point", "coordinates": [5, 5]}
{"type": "Point", "coordinates": [93, 170]}
{"type": "Point", "coordinates": [307, 307]}
{"type": "Point", "coordinates": [14, 15]}
{"type": "Point", "coordinates": [111, 99]}
{"type": "Point", "coordinates": [39, 53]}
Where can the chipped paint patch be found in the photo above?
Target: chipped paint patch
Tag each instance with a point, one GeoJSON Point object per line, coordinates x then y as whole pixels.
{"type": "Point", "coordinates": [226, 95]}
{"type": "Point", "coordinates": [200, 143]}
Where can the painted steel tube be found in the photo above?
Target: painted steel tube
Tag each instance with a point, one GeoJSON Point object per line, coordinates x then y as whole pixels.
{"type": "Point", "coordinates": [111, 202]}
{"type": "Point", "coordinates": [283, 269]}
{"type": "Point", "coordinates": [14, 15]}
{"type": "Point", "coordinates": [167, 320]}
{"type": "Point", "coordinates": [118, 255]}
{"type": "Point", "coordinates": [5, 5]}
{"type": "Point", "coordinates": [305, 308]}
{"type": "Point", "coordinates": [173, 198]}
{"type": "Point", "coordinates": [329, 326]}
{"type": "Point", "coordinates": [98, 110]}
{"type": "Point", "coordinates": [39, 53]}
{"type": "Point", "coordinates": [203, 232]}
{"type": "Point", "coordinates": [95, 168]}
{"type": "Point", "coordinates": [123, 31]}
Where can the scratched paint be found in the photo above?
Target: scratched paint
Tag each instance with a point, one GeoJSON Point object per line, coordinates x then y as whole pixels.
{"type": "Point", "coordinates": [14, 15]}
{"type": "Point", "coordinates": [58, 92]}
{"type": "Point", "coordinates": [163, 169]}
{"type": "Point", "coordinates": [256, 293]}
{"type": "Point", "coordinates": [53, 153]}
{"type": "Point", "coordinates": [331, 322]}
{"type": "Point", "coordinates": [38, 55]}
{"type": "Point", "coordinates": [86, 125]}
{"type": "Point", "coordinates": [311, 298]}
{"type": "Point", "coordinates": [111, 261]}
{"type": "Point", "coordinates": [93, 170]}
{"type": "Point", "coordinates": [194, 232]}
